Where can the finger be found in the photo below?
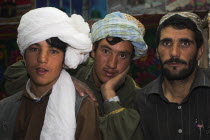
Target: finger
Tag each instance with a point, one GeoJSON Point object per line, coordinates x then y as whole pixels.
{"type": "Point", "coordinates": [121, 75]}
{"type": "Point", "coordinates": [90, 93]}
{"type": "Point", "coordinates": [92, 97]}
{"type": "Point", "coordinates": [81, 93]}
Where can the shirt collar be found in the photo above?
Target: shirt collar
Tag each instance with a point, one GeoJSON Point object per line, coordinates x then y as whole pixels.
{"type": "Point", "coordinates": [155, 87]}
{"type": "Point", "coordinates": [201, 80]}
{"type": "Point", "coordinates": [32, 95]}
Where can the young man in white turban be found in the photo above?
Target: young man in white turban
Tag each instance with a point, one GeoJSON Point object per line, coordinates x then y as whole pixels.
{"type": "Point", "coordinates": [48, 106]}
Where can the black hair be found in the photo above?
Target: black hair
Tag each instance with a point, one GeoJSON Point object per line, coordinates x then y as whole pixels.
{"type": "Point", "coordinates": [112, 41]}
{"type": "Point", "coordinates": [57, 43]}
{"type": "Point", "coordinates": [180, 22]}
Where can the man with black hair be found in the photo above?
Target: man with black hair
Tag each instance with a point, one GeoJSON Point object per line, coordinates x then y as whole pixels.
{"type": "Point", "coordinates": [48, 107]}
{"type": "Point", "coordinates": [114, 47]}
{"type": "Point", "coordinates": [175, 106]}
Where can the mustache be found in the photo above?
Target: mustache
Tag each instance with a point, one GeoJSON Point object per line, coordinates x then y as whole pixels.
{"type": "Point", "coordinates": [175, 60]}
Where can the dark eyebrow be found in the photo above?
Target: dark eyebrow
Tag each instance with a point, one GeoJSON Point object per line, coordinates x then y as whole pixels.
{"type": "Point", "coordinates": [185, 40]}
{"type": "Point", "coordinates": [165, 39]}
{"type": "Point", "coordinates": [107, 47]}
{"type": "Point", "coordinates": [37, 44]}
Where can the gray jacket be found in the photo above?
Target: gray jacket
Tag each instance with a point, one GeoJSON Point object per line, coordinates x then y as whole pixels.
{"type": "Point", "coordinates": [8, 114]}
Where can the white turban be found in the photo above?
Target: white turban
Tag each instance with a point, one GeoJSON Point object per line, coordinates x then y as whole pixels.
{"type": "Point", "coordinates": [39, 25]}
{"type": "Point", "coordinates": [43, 23]}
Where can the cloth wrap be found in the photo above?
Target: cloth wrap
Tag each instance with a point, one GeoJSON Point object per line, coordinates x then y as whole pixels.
{"type": "Point", "coordinates": [193, 17]}
{"type": "Point", "coordinates": [124, 26]}
{"type": "Point", "coordinates": [41, 24]}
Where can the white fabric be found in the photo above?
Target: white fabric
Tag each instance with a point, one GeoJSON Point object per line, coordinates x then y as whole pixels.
{"type": "Point", "coordinates": [60, 121]}
{"type": "Point", "coordinates": [43, 23]}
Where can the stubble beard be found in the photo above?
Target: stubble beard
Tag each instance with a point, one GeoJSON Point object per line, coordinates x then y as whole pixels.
{"type": "Point", "coordinates": [181, 75]}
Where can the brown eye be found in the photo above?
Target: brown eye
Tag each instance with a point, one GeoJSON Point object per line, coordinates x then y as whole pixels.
{"type": "Point", "coordinates": [185, 44]}
{"type": "Point", "coordinates": [166, 43]}
{"type": "Point", "coordinates": [105, 51]}
{"type": "Point", "coordinates": [33, 49]}
{"type": "Point", "coordinates": [122, 55]}
{"type": "Point", "coordinates": [54, 51]}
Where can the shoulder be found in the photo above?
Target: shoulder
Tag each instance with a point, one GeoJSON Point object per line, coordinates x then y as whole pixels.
{"type": "Point", "coordinates": [206, 72]}
{"type": "Point", "coordinates": [8, 113]}
{"type": "Point", "coordinates": [202, 78]}
{"type": "Point", "coordinates": [11, 99]}
{"type": "Point", "coordinates": [129, 86]}
{"type": "Point", "coordinates": [152, 87]}
{"type": "Point", "coordinates": [88, 108]}
{"type": "Point", "coordinates": [131, 82]}
{"type": "Point", "coordinates": [84, 70]}
{"type": "Point", "coordinates": [15, 77]}
{"type": "Point", "coordinates": [88, 102]}
{"type": "Point", "coordinates": [10, 104]}
{"type": "Point", "coordinates": [83, 102]}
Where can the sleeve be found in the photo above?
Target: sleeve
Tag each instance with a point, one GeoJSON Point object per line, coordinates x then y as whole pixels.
{"type": "Point", "coordinates": [88, 121]}
{"type": "Point", "coordinates": [120, 123]}
{"type": "Point", "coordinates": [15, 77]}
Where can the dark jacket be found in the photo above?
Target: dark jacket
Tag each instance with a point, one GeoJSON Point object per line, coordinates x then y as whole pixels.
{"type": "Point", "coordinates": [8, 113]}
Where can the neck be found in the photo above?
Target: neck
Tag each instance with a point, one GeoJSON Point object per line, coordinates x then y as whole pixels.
{"type": "Point", "coordinates": [175, 91]}
{"type": "Point", "coordinates": [39, 91]}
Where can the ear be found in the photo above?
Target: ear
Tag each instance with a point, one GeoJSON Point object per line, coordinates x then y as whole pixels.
{"type": "Point", "coordinates": [200, 52]}
{"type": "Point", "coordinates": [157, 54]}
{"type": "Point", "coordinates": [92, 54]}
{"type": "Point", "coordinates": [24, 61]}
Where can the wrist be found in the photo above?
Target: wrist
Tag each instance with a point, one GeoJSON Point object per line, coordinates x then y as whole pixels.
{"type": "Point", "coordinates": [107, 94]}
{"type": "Point", "coordinates": [113, 99]}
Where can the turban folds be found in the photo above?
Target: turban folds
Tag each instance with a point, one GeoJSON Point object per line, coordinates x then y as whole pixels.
{"type": "Point", "coordinates": [43, 23]}
{"type": "Point", "coordinates": [124, 26]}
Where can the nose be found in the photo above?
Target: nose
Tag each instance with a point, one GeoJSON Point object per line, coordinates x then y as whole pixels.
{"type": "Point", "coordinates": [112, 62]}
{"type": "Point", "coordinates": [175, 51]}
{"type": "Point", "coordinates": [42, 57]}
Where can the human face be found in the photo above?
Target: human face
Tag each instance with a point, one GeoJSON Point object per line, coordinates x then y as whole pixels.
{"type": "Point", "coordinates": [110, 60]}
{"type": "Point", "coordinates": [44, 64]}
{"type": "Point", "coordinates": [178, 53]}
